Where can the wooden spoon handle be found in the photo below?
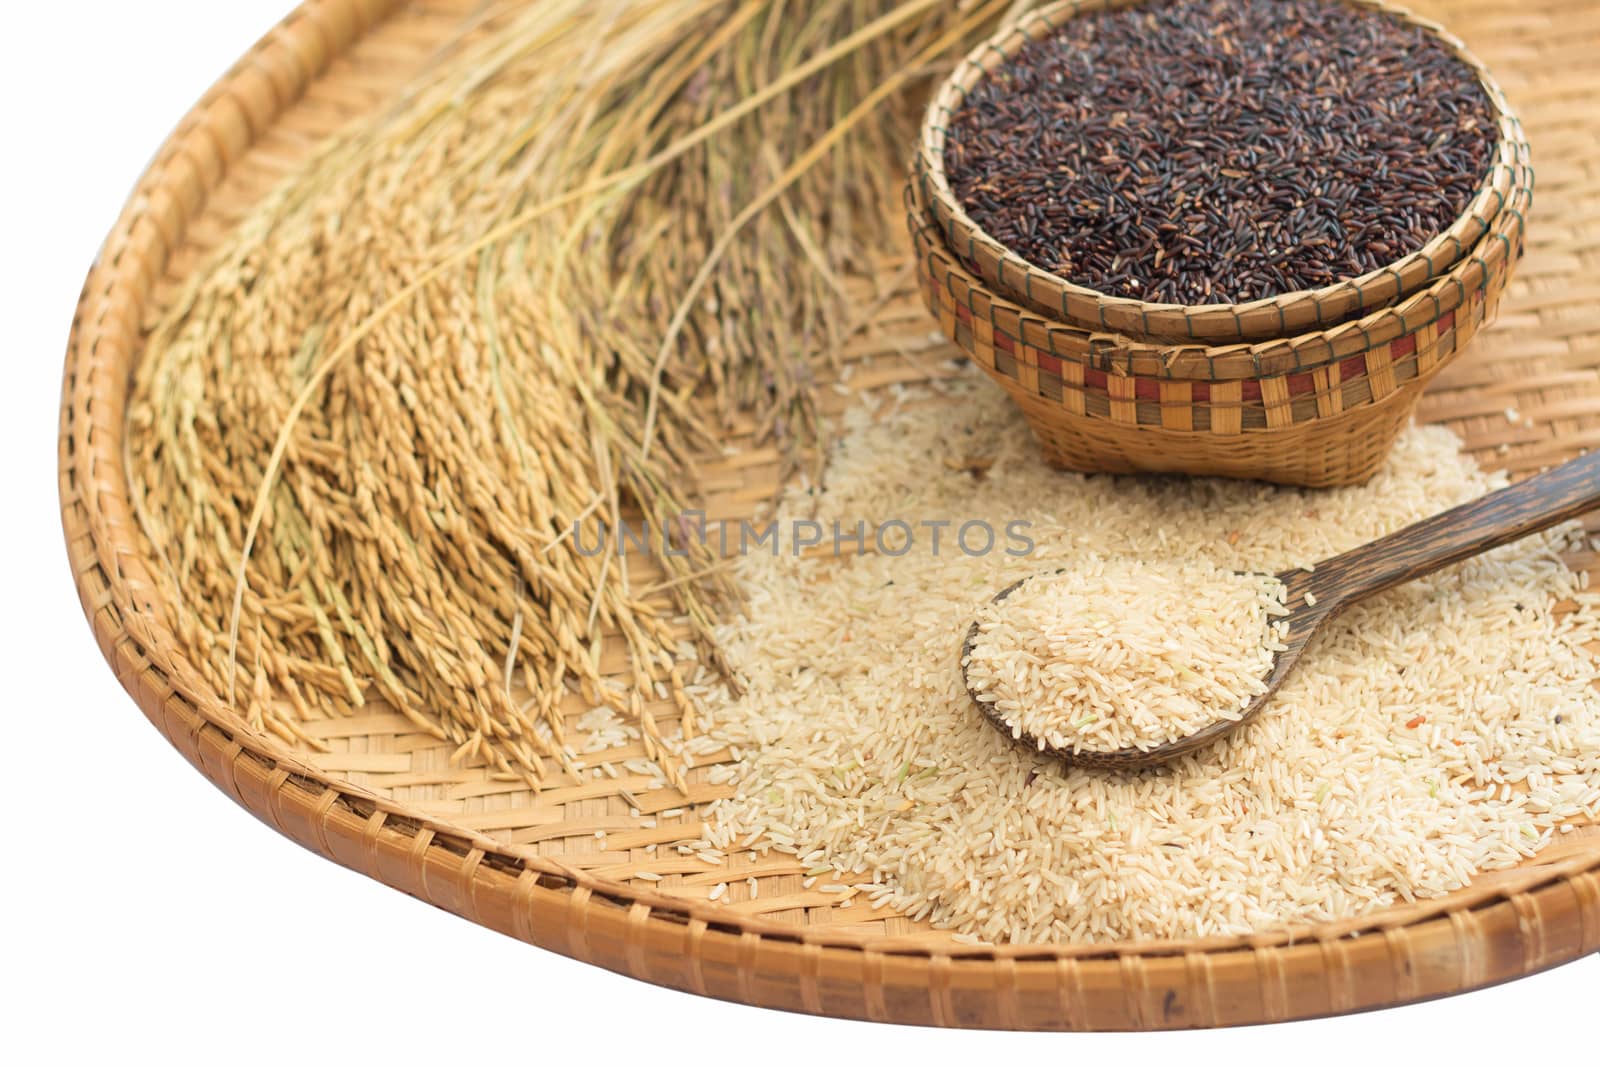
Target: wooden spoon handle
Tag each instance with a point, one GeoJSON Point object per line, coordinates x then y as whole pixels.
{"type": "Point", "coordinates": [1499, 518]}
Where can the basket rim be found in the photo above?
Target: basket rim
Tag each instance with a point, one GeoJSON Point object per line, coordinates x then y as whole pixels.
{"type": "Point", "coordinates": [1316, 393]}
{"type": "Point", "coordinates": [609, 923]}
{"type": "Point", "coordinates": [1049, 293]}
{"type": "Point", "coordinates": [1196, 361]}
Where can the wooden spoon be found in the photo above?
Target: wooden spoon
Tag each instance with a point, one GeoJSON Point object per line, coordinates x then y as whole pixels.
{"type": "Point", "coordinates": [1499, 518]}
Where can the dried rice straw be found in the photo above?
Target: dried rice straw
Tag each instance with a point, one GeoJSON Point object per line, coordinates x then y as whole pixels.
{"type": "Point", "coordinates": [363, 437]}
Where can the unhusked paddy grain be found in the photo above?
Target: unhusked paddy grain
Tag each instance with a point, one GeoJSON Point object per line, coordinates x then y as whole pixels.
{"type": "Point", "coordinates": [1102, 655]}
{"type": "Point", "coordinates": [369, 433]}
{"type": "Point", "coordinates": [1446, 728]}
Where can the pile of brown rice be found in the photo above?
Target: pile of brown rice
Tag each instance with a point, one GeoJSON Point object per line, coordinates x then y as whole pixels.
{"type": "Point", "coordinates": [1124, 653]}
{"type": "Point", "coordinates": [1446, 728]}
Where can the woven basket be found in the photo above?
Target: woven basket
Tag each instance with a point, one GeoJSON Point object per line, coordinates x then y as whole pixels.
{"type": "Point", "coordinates": [1274, 317]}
{"type": "Point", "coordinates": [1088, 430]}
{"type": "Point", "coordinates": [1107, 350]}
{"type": "Point", "coordinates": [1103, 403]}
{"type": "Point", "coordinates": [383, 798]}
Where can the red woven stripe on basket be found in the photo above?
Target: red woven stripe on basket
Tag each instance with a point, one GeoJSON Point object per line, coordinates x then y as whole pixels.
{"type": "Point", "coordinates": [1250, 389]}
{"type": "Point", "coordinates": [1301, 384]}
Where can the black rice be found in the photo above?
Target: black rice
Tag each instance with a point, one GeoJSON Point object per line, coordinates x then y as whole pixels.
{"type": "Point", "coordinates": [1217, 151]}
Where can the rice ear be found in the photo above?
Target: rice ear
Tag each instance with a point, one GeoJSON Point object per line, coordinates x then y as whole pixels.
{"type": "Point", "coordinates": [373, 436]}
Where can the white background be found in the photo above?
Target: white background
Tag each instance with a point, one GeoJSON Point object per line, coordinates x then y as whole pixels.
{"type": "Point", "coordinates": [146, 915]}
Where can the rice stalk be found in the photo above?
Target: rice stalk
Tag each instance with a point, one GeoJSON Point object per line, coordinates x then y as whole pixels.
{"type": "Point", "coordinates": [492, 321]}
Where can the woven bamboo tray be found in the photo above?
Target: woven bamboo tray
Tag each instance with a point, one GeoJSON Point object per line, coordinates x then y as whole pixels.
{"type": "Point", "coordinates": [384, 800]}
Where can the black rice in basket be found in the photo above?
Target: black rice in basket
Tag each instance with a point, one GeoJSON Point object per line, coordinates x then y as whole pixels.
{"type": "Point", "coordinates": [1217, 151]}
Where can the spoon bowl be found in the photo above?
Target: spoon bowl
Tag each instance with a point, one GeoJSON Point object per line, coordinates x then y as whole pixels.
{"type": "Point", "coordinates": [1316, 594]}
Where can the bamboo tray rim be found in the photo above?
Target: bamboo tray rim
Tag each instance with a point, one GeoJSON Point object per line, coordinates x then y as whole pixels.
{"type": "Point", "coordinates": [537, 899]}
